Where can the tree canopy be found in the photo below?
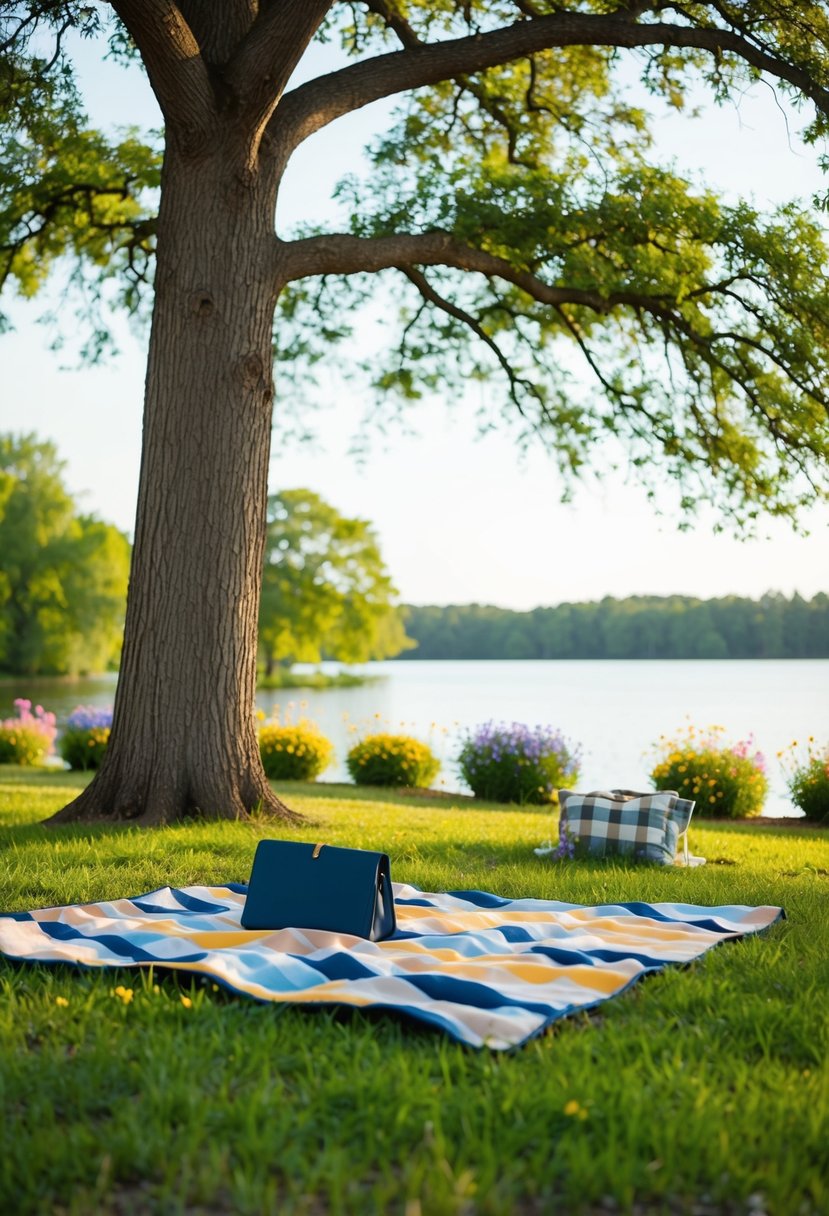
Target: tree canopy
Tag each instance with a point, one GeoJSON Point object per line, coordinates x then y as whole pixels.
{"type": "Point", "coordinates": [520, 224]}
{"type": "Point", "coordinates": [513, 209]}
{"type": "Point", "coordinates": [63, 574]}
{"type": "Point", "coordinates": [326, 592]}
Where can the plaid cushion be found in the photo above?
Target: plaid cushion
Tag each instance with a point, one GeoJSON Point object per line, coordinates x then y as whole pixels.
{"type": "Point", "coordinates": [680, 810]}
{"type": "Point", "coordinates": [604, 823]}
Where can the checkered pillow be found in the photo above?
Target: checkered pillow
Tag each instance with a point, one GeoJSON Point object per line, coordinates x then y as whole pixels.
{"type": "Point", "coordinates": [604, 823]}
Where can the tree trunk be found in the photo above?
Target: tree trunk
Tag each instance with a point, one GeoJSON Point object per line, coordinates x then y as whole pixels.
{"type": "Point", "coordinates": [184, 738]}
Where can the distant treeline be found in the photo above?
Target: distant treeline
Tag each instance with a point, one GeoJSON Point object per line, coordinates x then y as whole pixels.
{"type": "Point", "coordinates": [640, 627]}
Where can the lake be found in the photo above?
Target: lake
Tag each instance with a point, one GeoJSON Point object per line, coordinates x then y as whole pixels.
{"type": "Point", "coordinates": [614, 709]}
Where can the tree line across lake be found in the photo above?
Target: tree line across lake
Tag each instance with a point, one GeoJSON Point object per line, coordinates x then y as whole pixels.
{"type": "Point", "coordinates": [639, 627]}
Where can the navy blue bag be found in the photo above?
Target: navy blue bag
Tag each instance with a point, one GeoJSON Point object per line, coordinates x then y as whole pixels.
{"type": "Point", "coordinates": [318, 886]}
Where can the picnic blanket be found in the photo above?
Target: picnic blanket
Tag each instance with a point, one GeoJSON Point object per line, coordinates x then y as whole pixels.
{"type": "Point", "coordinates": [488, 971]}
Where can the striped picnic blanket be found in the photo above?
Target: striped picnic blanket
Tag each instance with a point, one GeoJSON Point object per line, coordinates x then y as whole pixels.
{"type": "Point", "coordinates": [489, 971]}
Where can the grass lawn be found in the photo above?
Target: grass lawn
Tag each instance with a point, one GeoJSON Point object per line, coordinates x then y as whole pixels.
{"type": "Point", "coordinates": [706, 1089]}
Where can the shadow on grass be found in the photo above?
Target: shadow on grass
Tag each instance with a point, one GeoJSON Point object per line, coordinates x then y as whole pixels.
{"type": "Point", "coordinates": [440, 800]}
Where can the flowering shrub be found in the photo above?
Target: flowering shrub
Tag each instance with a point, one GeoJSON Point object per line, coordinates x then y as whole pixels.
{"type": "Point", "coordinates": [807, 778]}
{"type": "Point", "coordinates": [29, 737]}
{"type": "Point", "coordinates": [516, 763]}
{"type": "Point", "coordinates": [384, 759]}
{"type": "Point", "coordinates": [724, 779]}
{"type": "Point", "coordinates": [85, 736]}
{"type": "Point", "coordinates": [294, 751]}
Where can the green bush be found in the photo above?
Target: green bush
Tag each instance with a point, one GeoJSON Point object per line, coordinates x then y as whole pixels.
{"type": "Point", "coordinates": [807, 779]}
{"type": "Point", "coordinates": [392, 760]}
{"type": "Point", "coordinates": [511, 762]}
{"type": "Point", "coordinates": [294, 751]}
{"type": "Point", "coordinates": [85, 736]}
{"type": "Point", "coordinates": [28, 738]}
{"type": "Point", "coordinates": [727, 780]}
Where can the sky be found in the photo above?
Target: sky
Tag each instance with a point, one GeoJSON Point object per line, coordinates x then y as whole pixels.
{"type": "Point", "coordinates": [460, 518]}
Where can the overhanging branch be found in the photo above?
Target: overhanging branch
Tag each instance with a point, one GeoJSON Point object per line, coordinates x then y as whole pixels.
{"type": "Point", "coordinates": [313, 105]}
{"type": "Point", "coordinates": [344, 254]}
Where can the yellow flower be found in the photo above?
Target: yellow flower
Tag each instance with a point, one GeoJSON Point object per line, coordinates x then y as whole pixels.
{"type": "Point", "coordinates": [123, 994]}
{"type": "Point", "coordinates": [572, 1107]}
{"type": "Point", "coordinates": [186, 1002]}
{"type": "Point", "coordinates": [61, 1001]}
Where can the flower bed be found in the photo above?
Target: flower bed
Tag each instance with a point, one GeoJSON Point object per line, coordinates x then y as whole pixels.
{"type": "Point", "coordinates": [724, 779]}
{"type": "Point", "coordinates": [84, 739]}
{"type": "Point", "coordinates": [516, 763]}
{"type": "Point", "coordinates": [807, 778]}
{"type": "Point", "coordinates": [28, 738]}
{"type": "Point", "coordinates": [294, 751]}
{"type": "Point", "coordinates": [392, 760]}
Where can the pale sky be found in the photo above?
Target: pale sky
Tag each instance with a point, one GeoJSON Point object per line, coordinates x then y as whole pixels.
{"type": "Point", "coordinates": [460, 519]}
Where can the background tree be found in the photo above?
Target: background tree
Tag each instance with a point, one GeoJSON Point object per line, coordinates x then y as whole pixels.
{"type": "Point", "coordinates": [326, 592]}
{"type": "Point", "coordinates": [515, 215]}
{"type": "Point", "coordinates": [63, 575]}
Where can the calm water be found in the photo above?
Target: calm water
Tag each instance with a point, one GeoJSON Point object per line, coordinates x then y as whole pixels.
{"type": "Point", "coordinates": [614, 709]}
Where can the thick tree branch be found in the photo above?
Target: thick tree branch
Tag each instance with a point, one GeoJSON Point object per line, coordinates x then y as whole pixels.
{"type": "Point", "coordinates": [344, 254]}
{"type": "Point", "coordinates": [725, 349]}
{"type": "Point", "coordinates": [174, 65]}
{"type": "Point", "coordinates": [313, 105]}
{"type": "Point", "coordinates": [262, 65]}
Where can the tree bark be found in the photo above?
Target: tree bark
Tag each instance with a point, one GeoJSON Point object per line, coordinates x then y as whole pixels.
{"type": "Point", "coordinates": [184, 738]}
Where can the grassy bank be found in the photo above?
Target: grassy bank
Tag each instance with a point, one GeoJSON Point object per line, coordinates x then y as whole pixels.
{"type": "Point", "coordinates": [706, 1089]}
{"type": "Point", "coordinates": [288, 678]}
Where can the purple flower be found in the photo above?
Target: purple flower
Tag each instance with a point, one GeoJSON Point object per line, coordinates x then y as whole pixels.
{"type": "Point", "coordinates": [513, 762]}
{"type": "Point", "coordinates": [88, 717]}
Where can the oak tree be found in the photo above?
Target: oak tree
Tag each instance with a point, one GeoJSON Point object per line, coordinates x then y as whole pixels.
{"type": "Point", "coordinates": [520, 221]}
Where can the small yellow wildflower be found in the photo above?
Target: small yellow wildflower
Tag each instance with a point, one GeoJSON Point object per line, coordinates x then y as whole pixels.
{"type": "Point", "coordinates": [123, 994]}
{"type": "Point", "coordinates": [186, 1002]}
{"type": "Point", "coordinates": [61, 1001]}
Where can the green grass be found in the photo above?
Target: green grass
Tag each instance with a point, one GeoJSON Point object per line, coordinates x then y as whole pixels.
{"type": "Point", "coordinates": [704, 1087]}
